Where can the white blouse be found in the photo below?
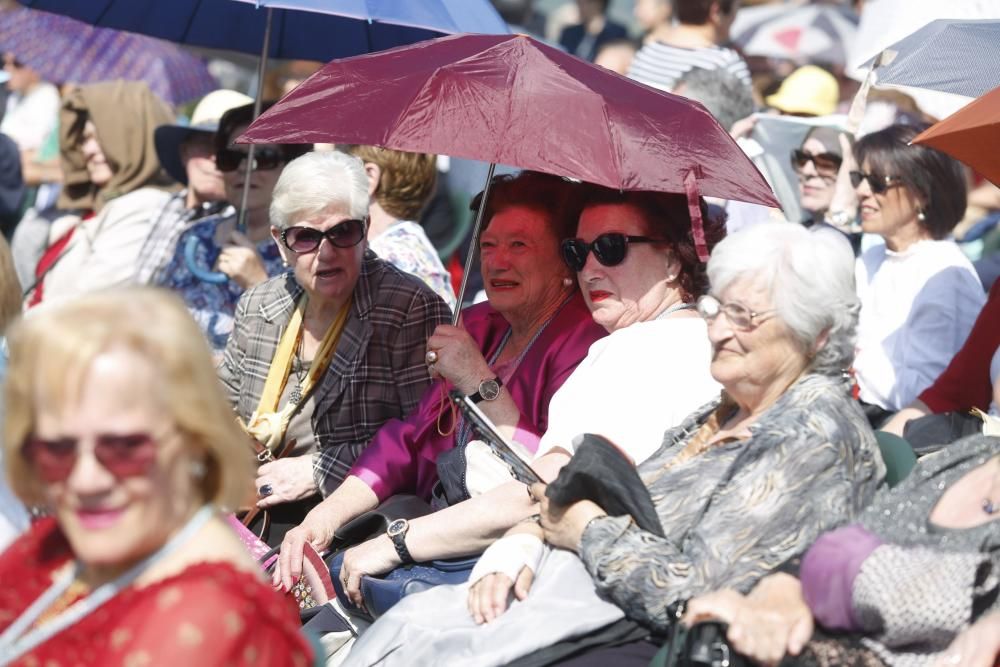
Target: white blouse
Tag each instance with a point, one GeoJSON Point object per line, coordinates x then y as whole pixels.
{"type": "Point", "coordinates": [633, 385]}
{"type": "Point", "coordinates": [917, 309]}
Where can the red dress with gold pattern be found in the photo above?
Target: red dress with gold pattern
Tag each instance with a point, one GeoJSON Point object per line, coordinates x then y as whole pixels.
{"type": "Point", "coordinates": [209, 615]}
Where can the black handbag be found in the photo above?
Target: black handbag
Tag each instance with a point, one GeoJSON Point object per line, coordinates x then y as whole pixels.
{"type": "Point", "coordinates": [702, 645]}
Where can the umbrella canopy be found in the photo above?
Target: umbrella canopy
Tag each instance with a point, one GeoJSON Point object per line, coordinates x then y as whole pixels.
{"type": "Point", "coordinates": [67, 51]}
{"type": "Point", "coordinates": [513, 100]}
{"type": "Point", "coordinates": [302, 29]}
{"type": "Point", "coordinates": [948, 55]}
{"type": "Point", "coordinates": [802, 33]}
{"type": "Point", "coordinates": [970, 135]}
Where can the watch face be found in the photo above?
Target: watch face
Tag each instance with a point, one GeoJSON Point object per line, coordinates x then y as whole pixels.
{"type": "Point", "coordinates": [489, 390]}
{"type": "Point", "coordinates": [396, 527]}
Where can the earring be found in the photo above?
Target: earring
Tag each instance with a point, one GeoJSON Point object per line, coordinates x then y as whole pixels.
{"type": "Point", "coordinates": [567, 282]}
{"type": "Point", "coordinates": [671, 278]}
{"type": "Point", "coordinates": [920, 215]}
{"type": "Point", "coordinates": [198, 469]}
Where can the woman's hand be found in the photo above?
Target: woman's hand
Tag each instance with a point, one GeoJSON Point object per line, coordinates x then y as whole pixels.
{"type": "Point", "coordinates": [564, 526]}
{"type": "Point", "coordinates": [459, 359]}
{"type": "Point", "coordinates": [844, 196]}
{"type": "Point", "coordinates": [976, 646]}
{"type": "Point", "coordinates": [374, 557]}
{"type": "Point", "coordinates": [316, 530]}
{"type": "Point", "coordinates": [765, 625]}
{"type": "Point", "coordinates": [488, 597]}
{"type": "Point", "coordinates": [289, 479]}
{"type": "Point", "coordinates": [241, 262]}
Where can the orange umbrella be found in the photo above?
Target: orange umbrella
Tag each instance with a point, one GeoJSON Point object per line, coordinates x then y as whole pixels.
{"type": "Point", "coordinates": [972, 135]}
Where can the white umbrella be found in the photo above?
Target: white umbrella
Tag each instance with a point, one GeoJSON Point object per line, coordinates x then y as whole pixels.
{"type": "Point", "coordinates": [885, 22]}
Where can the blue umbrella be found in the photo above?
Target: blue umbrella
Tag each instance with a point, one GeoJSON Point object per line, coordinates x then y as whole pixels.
{"type": "Point", "coordinates": [301, 29]}
{"type": "Point", "coordinates": [293, 29]}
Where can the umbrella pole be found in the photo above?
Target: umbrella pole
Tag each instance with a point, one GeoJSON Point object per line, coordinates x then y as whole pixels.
{"type": "Point", "coordinates": [475, 244]}
{"type": "Point", "coordinates": [241, 224]}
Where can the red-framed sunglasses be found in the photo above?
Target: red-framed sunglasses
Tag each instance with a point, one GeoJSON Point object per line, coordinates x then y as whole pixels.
{"type": "Point", "coordinates": [123, 455]}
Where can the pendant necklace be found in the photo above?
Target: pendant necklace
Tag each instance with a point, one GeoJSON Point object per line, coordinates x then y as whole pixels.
{"type": "Point", "coordinates": [298, 367]}
{"type": "Point", "coordinates": [990, 506]}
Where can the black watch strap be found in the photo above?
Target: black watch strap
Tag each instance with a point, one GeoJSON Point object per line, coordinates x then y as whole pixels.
{"type": "Point", "coordinates": [398, 538]}
{"type": "Point", "coordinates": [489, 390]}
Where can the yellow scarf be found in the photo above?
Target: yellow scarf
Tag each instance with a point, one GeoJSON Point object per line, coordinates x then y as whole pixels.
{"type": "Point", "coordinates": [266, 424]}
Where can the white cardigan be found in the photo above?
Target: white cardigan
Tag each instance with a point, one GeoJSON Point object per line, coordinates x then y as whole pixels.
{"type": "Point", "coordinates": [917, 309]}
{"type": "Point", "coordinates": [633, 385]}
{"type": "Point", "coordinates": [104, 249]}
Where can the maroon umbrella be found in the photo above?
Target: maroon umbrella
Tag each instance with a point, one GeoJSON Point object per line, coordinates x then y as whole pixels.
{"type": "Point", "coordinates": [510, 99]}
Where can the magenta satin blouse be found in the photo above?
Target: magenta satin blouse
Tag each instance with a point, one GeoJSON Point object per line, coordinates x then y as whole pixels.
{"type": "Point", "coordinates": [402, 456]}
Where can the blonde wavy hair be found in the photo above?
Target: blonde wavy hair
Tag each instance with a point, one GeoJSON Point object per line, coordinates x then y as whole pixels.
{"type": "Point", "coordinates": [407, 179]}
{"type": "Point", "coordinates": [51, 351]}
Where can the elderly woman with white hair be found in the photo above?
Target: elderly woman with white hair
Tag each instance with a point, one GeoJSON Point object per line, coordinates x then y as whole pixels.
{"type": "Point", "coordinates": [739, 487]}
{"type": "Point", "coordinates": [322, 356]}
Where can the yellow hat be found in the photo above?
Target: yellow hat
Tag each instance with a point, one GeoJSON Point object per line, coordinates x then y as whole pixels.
{"type": "Point", "coordinates": [808, 90]}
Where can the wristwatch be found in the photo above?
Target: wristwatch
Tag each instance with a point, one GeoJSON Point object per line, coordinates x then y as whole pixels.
{"type": "Point", "coordinates": [397, 533]}
{"type": "Point", "coordinates": [489, 390]}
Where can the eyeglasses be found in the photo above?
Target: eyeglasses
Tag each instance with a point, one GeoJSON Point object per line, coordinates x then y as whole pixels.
{"type": "Point", "coordinates": [826, 164]}
{"type": "Point", "coordinates": [264, 158]}
{"type": "Point", "coordinates": [878, 184]}
{"type": "Point", "coordinates": [609, 249]}
{"type": "Point", "coordinates": [123, 455]}
{"type": "Point", "coordinates": [739, 316]}
{"type": "Point", "coordinates": [346, 234]}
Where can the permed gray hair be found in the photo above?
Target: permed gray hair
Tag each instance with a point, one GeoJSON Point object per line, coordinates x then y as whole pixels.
{"type": "Point", "coordinates": [809, 276]}
{"type": "Point", "coordinates": [313, 182]}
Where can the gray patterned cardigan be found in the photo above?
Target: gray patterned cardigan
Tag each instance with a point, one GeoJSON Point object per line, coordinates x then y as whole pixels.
{"type": "Point", "coordinates": [741, 509]}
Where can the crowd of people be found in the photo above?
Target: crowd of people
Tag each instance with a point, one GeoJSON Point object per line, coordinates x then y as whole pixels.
{"type": "Point", "coordinates": [241, 426]}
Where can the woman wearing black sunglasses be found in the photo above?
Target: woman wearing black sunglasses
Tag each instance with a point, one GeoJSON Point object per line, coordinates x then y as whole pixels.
{"type": "Point", "coordinates": [816, 163]}
{"type": "Point", "coordinates": [920, 295]}
{"type": "Point", "coordinates": [320, 357]}
{"type": "Point", "coordinates": [247, 259]}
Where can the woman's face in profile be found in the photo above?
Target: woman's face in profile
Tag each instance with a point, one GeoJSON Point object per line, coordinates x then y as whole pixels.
{"type": "Point", "coordinates": [115, 469]}
{"type": "Point", "coordinates": [97, 163]}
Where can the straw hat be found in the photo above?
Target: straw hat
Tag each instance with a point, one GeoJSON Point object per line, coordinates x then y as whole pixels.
{"type": "Point", "coordinates": [808, 90]}
{"type": "Point", "coordinates": [205, 119]}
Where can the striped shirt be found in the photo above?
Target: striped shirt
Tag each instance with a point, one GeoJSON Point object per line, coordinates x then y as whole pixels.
{"type": "Point", "coordinates": [661, 66]}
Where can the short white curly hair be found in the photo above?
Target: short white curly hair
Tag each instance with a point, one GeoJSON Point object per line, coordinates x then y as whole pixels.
{"type": "Point", "coordinates": [315, 181]}
{"type": "Point", "coordinates": [809, 276]}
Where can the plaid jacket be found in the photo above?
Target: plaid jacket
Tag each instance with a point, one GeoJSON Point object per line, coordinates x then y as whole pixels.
{"type": "Point", "coordinates": [377, 373]}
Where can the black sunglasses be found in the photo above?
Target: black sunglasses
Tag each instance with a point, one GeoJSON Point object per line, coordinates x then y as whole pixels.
{"type": "Point", "coordinates": [609, 249]}
{"type": "Point", "coordinates": [878, 184]}
{"type": "Point", "coordinates": [346, 234]}
{"type": "Point", "coordinates": [825, 163]}
{"type": "Point", "coordinates": [264, 158]}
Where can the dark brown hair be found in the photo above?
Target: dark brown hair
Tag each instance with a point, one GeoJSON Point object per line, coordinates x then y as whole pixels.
{"type": "Point", "coordinates": [933, 177]}
{"type": "Point", "coordinates": [666, 216]}
{"type": "Point", "coordinates": [697, 12]}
